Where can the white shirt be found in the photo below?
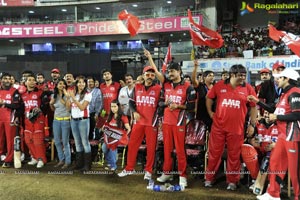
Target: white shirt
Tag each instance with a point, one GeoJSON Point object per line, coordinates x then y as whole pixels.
{"type": "Point", "coordinates": [124, 96]}
{"type": "Point", "coordinates": [75, 111]}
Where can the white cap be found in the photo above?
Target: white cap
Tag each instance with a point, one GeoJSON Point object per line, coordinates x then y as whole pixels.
{"type": "Point", "coordinates": [288, 73]}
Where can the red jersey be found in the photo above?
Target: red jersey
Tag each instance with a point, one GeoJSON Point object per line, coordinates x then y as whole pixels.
{"type": "Point", "coordinates": [183, 93]}
{"type": "Point", "coordinates": [146, 101]}
{"type": "Point", "coordinates": [289, 102]}
{"type": "Point", "coordinates": [32, 100]}
{"type": "Point", "coordinates": [231, 106]}
{"type": "Point", "coordinates": [12, 100]}
{"type": "Point", "coordinates": [267, 135]}
{"type": "Point", "coordinates": [110, 93]}
{"type": "Point", "coordinates": [51, 85]}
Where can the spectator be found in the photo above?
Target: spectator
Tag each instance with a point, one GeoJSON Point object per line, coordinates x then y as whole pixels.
{"type": "Point", "coordinates": [61, 124]}
{"type": "Point", "coordinates": [79, 103]}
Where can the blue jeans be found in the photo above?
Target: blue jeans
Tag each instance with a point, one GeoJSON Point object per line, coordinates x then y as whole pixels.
{"type": "Point", "coordinates": [61, 133]}
{"type": "Point", "coordinates": [110, 156]}
{"type": "Point", "coordinates": [80, 131]}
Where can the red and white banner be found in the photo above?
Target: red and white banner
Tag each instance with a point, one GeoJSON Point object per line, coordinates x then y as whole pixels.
{"type": "Point", "coordinates": [169, 24]}
{"type": "Point", "coordinates": [289, 39]}
{"type": "Point", "coordinates": [8, 3]}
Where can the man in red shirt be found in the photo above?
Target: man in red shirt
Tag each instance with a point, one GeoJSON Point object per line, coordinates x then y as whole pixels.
{"type": "Point", "coordinates": [35, 102]}
{"type": "Point", "coordinates": [10, 103]}
{"type": "Point", "coordinates": [55, 74]}
{"type": "Point", "coordinates": [144, 107]}
{"type": "Point", "coordinates": [285, 155]}
{"type": "Point", "coordinates": [228, 124]}
{"type": "Point", "coordinates": [110, 92]}
{"type": "Point", "coordinates": [178, 98]}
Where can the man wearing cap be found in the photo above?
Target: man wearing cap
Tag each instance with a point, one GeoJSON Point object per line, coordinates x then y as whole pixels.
{"type": "Point", "coordinates": [285, 155]}
{"type": "Point", "coordinates": [264, 76]}
{"type": "Point", "coordinates": [55, 74]}
{"type": "Point", "coordinates": [143, 105]}
{"type": "Point", "coordinates": [269, 90]}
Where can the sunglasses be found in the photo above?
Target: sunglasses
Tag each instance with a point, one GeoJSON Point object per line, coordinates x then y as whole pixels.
{"type": "Point", "coordinates": [150, 75]}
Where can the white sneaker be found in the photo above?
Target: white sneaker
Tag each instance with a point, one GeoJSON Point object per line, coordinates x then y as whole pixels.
{"type": "Point", "coordinates": [231, 186]}
{"type": "Point", "coordinates": [32, 162]}
{"type": "Point", "coordinates": [125, 173]}
{"type": "Point", "coordinates": [147, 176]}
{"type": "Point", "coordinates": [208, 184]}
{"type": "Point", "coordinates": [252, 187]}
{"type": "Point", "coordinates": [3, 157]}
{"type": "Point", "coordinates": [163, 178]}
{"type": "Point", "coordinates": [182, 181]}
{"type": "Point", "coordinates": [267, 196]}
{"type": "Point", "coordinates": [22, 157]}
{"type": "Point", "coordinates": [40, 164]}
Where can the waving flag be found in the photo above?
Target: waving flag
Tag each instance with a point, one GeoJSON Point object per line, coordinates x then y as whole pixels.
{"type": "Point", "coordinates": [289, 39]}
{"type": "Point", "coordinates": [204, 36]}
{"type": "Point", "coordinates": [168, 58]}
{"type": "Point", "coordinates": [132, 22]}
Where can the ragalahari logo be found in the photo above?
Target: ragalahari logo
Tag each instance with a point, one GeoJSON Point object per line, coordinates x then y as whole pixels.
{"type": "Point", "coordinates": [246, 8]}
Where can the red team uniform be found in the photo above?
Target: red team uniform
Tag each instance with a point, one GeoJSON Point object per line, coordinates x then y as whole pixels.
{"type": "Point", "coordinates": [34, 131]}
{"type": "Point", "coordinates": [146, 101]}
{"type": "Point", "coordinates": [12, 102]}
{"type": "Point", "coordinates": [228, 127]}
{"type": "Point", "coordinates": [286, 152]}
{"type": "Point", "coordinates": [174, 124]}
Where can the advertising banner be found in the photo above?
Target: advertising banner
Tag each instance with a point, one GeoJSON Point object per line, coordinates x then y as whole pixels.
{"type": "Point", "coordinates": [8, 3]}
{"type": "Point", "coordinates": [168, 24]}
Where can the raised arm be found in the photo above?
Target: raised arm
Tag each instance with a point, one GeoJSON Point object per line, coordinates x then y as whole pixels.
{"type": "Point", "coordinates": [159, 75]}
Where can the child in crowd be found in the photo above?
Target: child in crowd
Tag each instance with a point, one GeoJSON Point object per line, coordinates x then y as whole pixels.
{"type": "Point", "coordinates": [114, 130]}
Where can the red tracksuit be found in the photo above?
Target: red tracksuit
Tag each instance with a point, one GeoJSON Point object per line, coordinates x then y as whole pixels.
{"type": "Point", "coordinates": [146, 101]}
{"type": "Point", "coordinates": [228, 128]}
{"type": "Point", "coordinates": [174, 123]}
{"type": "Point", "coordinates": [34, 132]}
{"type": "Point", "coordinates": [12, 100]}
{"type": "Point", "coordinates": [285, 155]}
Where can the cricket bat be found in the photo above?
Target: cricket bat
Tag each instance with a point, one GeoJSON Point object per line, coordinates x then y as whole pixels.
{"type": "Point", "coordinates": [17, 149]}
{"type": "Point", "coordinates": [260, 183]}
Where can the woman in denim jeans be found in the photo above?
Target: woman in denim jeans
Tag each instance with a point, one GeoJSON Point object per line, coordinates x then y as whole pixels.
{"type": "Point", "coordinates": [80, 124]}
{"type": "Point", "coordinates": [61, 124]}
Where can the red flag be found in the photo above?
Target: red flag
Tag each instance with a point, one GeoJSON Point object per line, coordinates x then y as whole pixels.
{"type": "Point", "coordinates": [132, 22]}
{"type": "Point", "coordinates": [293, 42]}
{"type": "Point", "coordinates": [275, 34]}
{"type": "Point", "coordinates": [204, 36]}
{"type": "Point", "coordinates": [168, 58]}
{"type": "Point", "coordinates": [114, 136]}
{"type": "Point", "coordinates": [289, 39]}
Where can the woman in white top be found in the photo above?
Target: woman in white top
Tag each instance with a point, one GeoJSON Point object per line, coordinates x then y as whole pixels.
{"type": "Point", "coordinates": [80, 125]}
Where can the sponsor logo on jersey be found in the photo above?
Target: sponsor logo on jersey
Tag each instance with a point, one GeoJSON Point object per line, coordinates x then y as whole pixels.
{"type": "Point", "coordinates": [179, 91]}
{"type": "Point", "coordinates": [223, 91]}
{"type": "Point", "coordinates": [107, 95]}
{"type": "Point", "coordinates": [152, 93]}
{"type": "Point", "coordinates": [34, 96]}
{"type": "Point", "coordinates": [174, 99]}
{"type": "Point", "coordinates": [8, 96]}
{"type": "Point", "coordinates": [31, 103]}
{"type": "Point", "coordinates": [112, 89]}
{"type": "Point", "coordinates": [231, 103]}
{"type": "Point", "coordinates": [145, 100]}
{"type": "Point", "coordinates": [279, 111]}
{"type": "Point", "coordinates": [295, 99]}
